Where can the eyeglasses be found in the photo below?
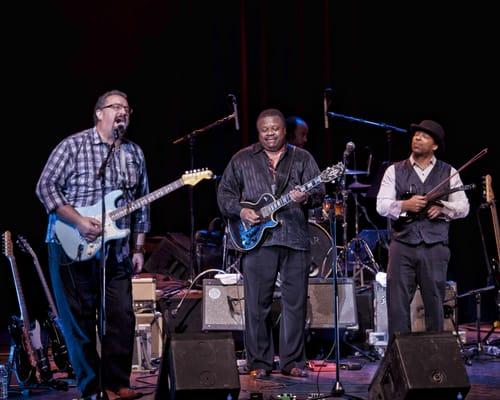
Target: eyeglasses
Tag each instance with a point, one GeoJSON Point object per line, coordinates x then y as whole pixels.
{"type": "Point", "coordinates": [118, 107]}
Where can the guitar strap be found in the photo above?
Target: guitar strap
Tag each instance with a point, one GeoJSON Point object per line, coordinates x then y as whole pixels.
{"type": "Point", "coordinates": [288, 167]}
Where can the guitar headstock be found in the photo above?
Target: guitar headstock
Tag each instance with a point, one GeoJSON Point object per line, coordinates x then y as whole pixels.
{"type": "Point", "coordinates": [332, 173]}
{"type": "Point", "coordinates": [7, 248]}
{"type": "Point", "coordinates": [488, 190]}
{"type": "Point", "coordinates": [24, 245]}
{"type": "Point", "coordinates": [196, 175]}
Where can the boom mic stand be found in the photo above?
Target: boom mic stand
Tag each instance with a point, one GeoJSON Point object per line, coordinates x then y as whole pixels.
{"type": "Point", "coordinates": [191, 138]}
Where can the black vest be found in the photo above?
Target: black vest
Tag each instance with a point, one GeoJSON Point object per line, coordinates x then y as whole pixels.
{"type": "Point", "coordinates": [420, 229]}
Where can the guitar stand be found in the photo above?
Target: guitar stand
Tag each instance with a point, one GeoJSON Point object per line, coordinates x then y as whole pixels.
{"type": "Point", "coordinates": [57, 384]}
{"type": "Point", "coordinates": [478, 348]}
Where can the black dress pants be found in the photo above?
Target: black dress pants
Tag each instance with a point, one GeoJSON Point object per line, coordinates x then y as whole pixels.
{"type": "Point", "coordinates": [77, 295]}
{"type": "Point", "coordinates": [260, 270]}
{"type": "Point", "coordinates": [424, 265]}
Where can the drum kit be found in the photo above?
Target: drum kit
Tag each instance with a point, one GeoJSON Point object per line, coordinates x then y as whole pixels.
{"type": "Point", "coordinates": [354, 258]}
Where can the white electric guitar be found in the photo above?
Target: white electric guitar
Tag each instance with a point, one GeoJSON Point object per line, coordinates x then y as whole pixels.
{"type": "Point", "coordinates": [78, 249]}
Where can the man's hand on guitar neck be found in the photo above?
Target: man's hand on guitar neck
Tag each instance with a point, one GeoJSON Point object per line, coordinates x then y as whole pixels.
{"type": "Point", "coordinates": [299, 196]}
{"type": "Point", "coordinates": [249, 216]}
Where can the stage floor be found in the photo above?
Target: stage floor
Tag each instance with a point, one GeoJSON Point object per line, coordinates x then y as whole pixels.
{"type": "Point", "coordinates": [483, 373]}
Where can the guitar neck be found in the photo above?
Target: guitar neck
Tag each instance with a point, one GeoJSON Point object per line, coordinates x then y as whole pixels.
{"type": "Point", "coordinates": [19, 292]}
{"type": "Point", "coordinates": [269, 209]}
{"type": "Point", "coordinates": [145, 200]}
{"type": "Point", "coordinates": [496, 228]}
{"type": "Point", "coordinates": [50, 300]}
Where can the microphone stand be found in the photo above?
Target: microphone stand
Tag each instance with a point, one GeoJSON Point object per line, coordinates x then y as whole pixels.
{"type": "Point", "coordinates": [102, 260]}
{"type": "Point", "coordinates": [337, 389]}
{"type": "Point", "coordinates": [191, 138]}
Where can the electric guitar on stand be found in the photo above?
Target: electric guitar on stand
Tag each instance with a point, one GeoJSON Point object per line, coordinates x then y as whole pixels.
{"type": "Point", "coordinates": [246, 237]}
{"type": "Point", "coordinates": [52, 323]}
{"type": "Point", "coordinates": [30, 364]}
{"type": "Point", "coordinates": [78, 249]}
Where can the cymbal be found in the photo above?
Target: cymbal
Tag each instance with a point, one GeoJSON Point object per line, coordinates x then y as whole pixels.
{"type": "Point", "coordinates": [355, 172]}
{"type": "Point", "coordinates": [357, 186]}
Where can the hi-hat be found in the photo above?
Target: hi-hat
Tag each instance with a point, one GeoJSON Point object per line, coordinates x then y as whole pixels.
{"type": "Point", "coordinates": [355, 172]}
{"type": "Point", "coordinates": [360, 187]}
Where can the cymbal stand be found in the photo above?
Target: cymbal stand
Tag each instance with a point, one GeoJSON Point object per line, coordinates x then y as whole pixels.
{"type": "Point", "coordinates": [359, 265]}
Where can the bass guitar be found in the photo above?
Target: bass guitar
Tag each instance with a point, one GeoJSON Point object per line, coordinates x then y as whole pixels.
{"type": "Point", "coordinates": [30, 364]}
{"type": "Point", "coordinates": [431, 199]}
{"type": "Point", "coordinates": [78, 249]}
{"type": "Point", "coordinates": [246, 237]}
{"type": "Point", "coordinates": [52, 323]}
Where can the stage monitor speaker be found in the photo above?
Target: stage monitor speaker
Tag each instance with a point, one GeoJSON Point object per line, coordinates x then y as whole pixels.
{"type": "Point", "coordinates": [320, 303]}
{"type": "Point", "coordinates": [420, 366]}
{"type": "Point", "coordinates": [198, 366]}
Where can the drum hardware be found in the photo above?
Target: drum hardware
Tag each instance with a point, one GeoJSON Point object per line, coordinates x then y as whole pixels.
{"type": "Point", "coordinates": [355, 172]}
{"type": "Point", "coordinates": [356, 252]}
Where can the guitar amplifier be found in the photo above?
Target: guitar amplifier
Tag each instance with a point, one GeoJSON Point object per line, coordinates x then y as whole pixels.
{"type": "Point", "coordinates": [224, 305]}
{"type": "Point", "coordinates": [148, 343]}
{"type": "Point", "coordinates": [416, 309]}
{"type": "Point", "coordinates": [144, 294]}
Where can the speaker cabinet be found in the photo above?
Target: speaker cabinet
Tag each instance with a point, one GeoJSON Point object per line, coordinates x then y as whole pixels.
{"type": "Point", "coordinates": [416, 309]}
{"type": "Point", "coordinates": [320, 303]}
{"type": "Point", "coordinates": [148, 343]}
{"type": "Point", "coordinates": [198, 366]}
{"type": "Point", "coordinates": [224, 305]}
{"type": "Point", "coordinates": [420, 366]}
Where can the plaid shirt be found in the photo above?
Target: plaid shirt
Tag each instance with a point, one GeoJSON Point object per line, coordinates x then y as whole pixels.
{"type": "Point", "coordinates": [71, 177]}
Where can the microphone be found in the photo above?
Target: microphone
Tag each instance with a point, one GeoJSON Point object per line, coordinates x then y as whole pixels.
{"type": "Point", "coordinates": [326, 92]}
{"type": "Point", "coordinates": [368, 168]}
{"type": "Point", "coordinates": [235, 112]}
{"type": "Point", "coordinates": [349, 148]}
{"type": "Point", "coordinates": [119, 130]}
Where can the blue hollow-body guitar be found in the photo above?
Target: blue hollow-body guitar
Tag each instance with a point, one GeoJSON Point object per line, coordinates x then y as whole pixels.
{"type": "Point", "coordinates": [78, 249]}
{"type": "Point", "coordinates": [246, 236]}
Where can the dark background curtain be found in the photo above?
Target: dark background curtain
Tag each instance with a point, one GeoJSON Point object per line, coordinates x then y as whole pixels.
{"type": "Point", "coordinates": [385, 62]}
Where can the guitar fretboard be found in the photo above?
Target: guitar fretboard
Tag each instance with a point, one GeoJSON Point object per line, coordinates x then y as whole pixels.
{"type": "Point", "coordinates": [145, 200]}
{"type": "Point", "coordinates": [269, 209]}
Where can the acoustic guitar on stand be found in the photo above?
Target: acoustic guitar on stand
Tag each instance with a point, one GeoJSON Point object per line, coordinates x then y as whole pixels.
{"type": "Point", "coordinates": [78, 249]}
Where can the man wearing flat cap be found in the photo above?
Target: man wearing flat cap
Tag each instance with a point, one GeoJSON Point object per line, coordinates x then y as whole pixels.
{"type": "Point", "coordinates": [419, 252]}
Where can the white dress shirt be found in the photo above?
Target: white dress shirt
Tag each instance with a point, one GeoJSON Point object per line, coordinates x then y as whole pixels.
{"type": "Point", "coordinates": [457, 205]}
